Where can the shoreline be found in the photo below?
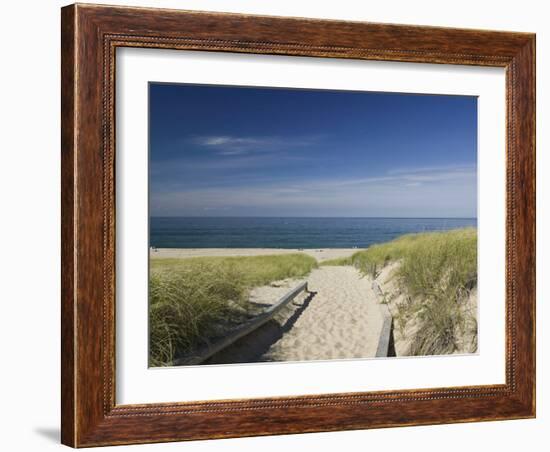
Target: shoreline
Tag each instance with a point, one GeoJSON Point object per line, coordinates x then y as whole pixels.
{"type": "Point", "coordinates": [320, 254]}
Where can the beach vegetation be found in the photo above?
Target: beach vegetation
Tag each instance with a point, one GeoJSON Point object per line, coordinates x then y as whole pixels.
{"type": "Point", "coordinates": [437, 271]}
{"type": "Point", "coordinates": [192, 299]}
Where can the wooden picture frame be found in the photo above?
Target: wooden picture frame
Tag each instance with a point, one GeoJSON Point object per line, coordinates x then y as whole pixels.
{"type": "Point", "coordinates": [90, 36]}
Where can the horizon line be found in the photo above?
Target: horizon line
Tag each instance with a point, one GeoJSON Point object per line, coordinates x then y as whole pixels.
{"type": "Point", "coordinates": [290, 216]}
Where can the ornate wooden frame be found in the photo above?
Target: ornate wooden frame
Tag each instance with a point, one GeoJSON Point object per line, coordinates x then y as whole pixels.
{"type": "Point", "coordinates": [90, 35]}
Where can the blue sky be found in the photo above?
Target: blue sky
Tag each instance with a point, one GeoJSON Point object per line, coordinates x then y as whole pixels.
{"type": "Point", "coordinates": [241, 151]}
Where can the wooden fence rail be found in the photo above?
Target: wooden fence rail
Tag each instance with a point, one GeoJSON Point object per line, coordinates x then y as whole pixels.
{"type": "Point", "coordinates": [208, 351]}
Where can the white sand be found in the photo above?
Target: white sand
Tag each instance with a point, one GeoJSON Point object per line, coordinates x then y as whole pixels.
{"type": "Point", "coordinates": [321, 254]}
{"type": "Point", "coordinates": [265, 296]}
{"type": "Point", "coordinates": [342, 320]}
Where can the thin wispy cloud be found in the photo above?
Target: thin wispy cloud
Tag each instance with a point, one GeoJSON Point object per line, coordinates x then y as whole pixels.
{"type": "Point", "coordinates": [241, 145]}
{"type": "Point", "coordinates": [432, 169]}
{"type": "Point", "coordinates": [449, 190]}
{"type": "Point", "coordinates": [411, 177]}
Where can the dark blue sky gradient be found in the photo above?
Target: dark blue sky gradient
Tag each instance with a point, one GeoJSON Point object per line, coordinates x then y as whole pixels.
{"type": "Point", "coordinates": [239, 151]}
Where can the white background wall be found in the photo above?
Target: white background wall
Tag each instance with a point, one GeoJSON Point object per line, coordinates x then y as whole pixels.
{"type": "Point", "coordinates": [29, 255]}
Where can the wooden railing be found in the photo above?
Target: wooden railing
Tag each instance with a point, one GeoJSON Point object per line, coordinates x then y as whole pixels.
{"type": "Point", "coordinates": [206, 352]}
{"type": "Point", "coordinates": [384, 348]}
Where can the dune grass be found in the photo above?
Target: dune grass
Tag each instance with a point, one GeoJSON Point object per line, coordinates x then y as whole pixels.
{"type": "Point", "coordinates": [189, 299]}
{"type": "Point", "coordinates": [437, 270]}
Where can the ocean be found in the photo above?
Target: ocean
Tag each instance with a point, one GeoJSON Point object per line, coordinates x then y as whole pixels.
{"type": "Point", "coordinates": [286, 232]}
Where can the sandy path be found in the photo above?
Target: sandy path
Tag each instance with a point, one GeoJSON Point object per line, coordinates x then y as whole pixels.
{"type": "Point", "coordinates": [343, 320]}
{"type": "Point", "coordinates": [321, 254]}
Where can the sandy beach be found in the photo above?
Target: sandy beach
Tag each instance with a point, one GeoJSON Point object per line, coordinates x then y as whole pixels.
{"type": "Point", "coordinates": [339, 319]}
{"type": "Point", "coordinates": [321, 254]}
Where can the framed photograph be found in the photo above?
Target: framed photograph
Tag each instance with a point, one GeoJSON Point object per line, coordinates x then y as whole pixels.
{"type": "Point", "coordinates": [281, 225]}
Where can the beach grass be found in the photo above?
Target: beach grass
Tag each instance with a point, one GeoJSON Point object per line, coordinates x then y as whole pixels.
{"type": "Point", "coordinates": [437, 270]}
{"type": "Point", "coordinates": [190, 299]}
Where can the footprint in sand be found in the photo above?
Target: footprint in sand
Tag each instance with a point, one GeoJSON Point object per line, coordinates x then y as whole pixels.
{"type": "Point", "coordinates": [343, 319]}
